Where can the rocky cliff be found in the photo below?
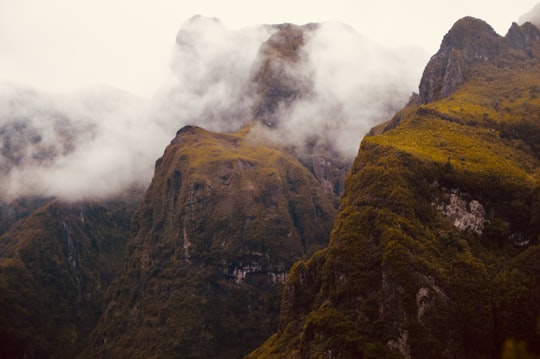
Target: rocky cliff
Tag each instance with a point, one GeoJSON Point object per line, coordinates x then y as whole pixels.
{"type": "Point", "coordinates": [434, 252]}
{"type": "Point", "coordinates": [281, 77]}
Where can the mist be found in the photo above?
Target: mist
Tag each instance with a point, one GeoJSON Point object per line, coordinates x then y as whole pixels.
{"type": "Point", "coordinates": [88, 144]}
{"type": "Point", "coordinates": [356, 84]}
{"type": "Point", "coordinates": [532, 16]}
{"type": "Point", "coordinates": [211, 74]}
{"type": "Point", "coordinates": [99, 141]}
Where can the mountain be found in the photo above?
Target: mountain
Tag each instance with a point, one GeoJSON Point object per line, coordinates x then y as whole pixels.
{"type": "Point", "coordinates": [209, 248]}
{"type": "Point", "coordinates": [66, 145]}
{"type": "Point", "coordinates": [224, 219]}
{"type": "Point", "coordinates": [434, 251]}
{"type": "Point", "coordinates": [433, 234]}
{"type": "Point", "coordinates": [221, 223]}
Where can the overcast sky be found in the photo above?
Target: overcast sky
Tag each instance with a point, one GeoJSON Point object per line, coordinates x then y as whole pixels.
{"type": "Point", "coordinates": [63, 45]}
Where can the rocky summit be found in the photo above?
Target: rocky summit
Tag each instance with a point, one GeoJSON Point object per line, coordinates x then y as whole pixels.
{"type": "Point", "coordinates": [471, 42]}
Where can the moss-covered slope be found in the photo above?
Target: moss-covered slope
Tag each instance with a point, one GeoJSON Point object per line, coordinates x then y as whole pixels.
{"type": "Point", "coordinates": [434, 252]}
{"type": "Point", "coordinates": [56, 262]}
{"type": "Point", "coordinates": [221, 224]}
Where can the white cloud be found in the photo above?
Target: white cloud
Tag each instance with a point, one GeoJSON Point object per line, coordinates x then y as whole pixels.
{"type": "Point", "coordinates": [211, 69]}
{"type": "Point", "coordinates": [87, 144]}
{"type": "Point", "coordinates": [96, 142]}
{"type": "Point", "coordinates": [356, 85]}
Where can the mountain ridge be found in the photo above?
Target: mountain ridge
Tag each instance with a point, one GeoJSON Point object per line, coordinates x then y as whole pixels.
{"type": "Point", "coordinates": [437, 230]}
{"type": "Point", "coordinates": [433, 249]}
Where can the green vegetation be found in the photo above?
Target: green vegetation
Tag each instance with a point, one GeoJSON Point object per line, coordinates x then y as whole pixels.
{"type": "Point", "coordinates": [55, 264]}
{"type": "Point", "coordinates": [222, 222]}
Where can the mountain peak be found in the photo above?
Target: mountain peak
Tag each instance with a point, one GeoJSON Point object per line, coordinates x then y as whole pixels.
{"type": "Point", "coordinates": [468, 33]}
{"type": "Point", "coordinates": [277, 72]}
{"type": "Point", "coordinates": [470, 41]}
{"type": "Point", "coordinates": [523, 37]}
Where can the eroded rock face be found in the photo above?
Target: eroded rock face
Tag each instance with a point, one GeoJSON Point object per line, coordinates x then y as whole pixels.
{"type": "Point", "coordinates": [464, 215]}
{"type": "Point", "coordinates": [471, 41]}
{"type": "Point", "coordinates": [282, 76]}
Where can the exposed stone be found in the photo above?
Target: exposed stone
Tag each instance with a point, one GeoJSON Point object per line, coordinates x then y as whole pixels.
{"type": "Point", "coordinates": [422, 302]}
{"type": "Point", "coordinates": [464, 215]}
{"type": "Point", "coordinates": [401, 344]}
{"type": "Point", "coordinates": [277, 72]}
{"type": "Point", "coordinates": [523, 37]}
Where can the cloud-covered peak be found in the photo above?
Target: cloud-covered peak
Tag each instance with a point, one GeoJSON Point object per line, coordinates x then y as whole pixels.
{"type": "Point", "coordinates": [96, 142]}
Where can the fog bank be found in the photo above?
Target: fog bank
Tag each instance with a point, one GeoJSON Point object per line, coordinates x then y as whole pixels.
{"type": "Point", "coordinates": [98, 141]}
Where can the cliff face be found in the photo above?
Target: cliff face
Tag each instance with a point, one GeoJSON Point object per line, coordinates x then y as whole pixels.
{"type": "Point", "coordinates": [222, 222]}
{"type": "Point", "coordinates": [435, 246]}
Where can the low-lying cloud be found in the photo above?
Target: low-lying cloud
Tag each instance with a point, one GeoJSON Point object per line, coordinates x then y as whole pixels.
{"type": "Point", "coordinates": [532, 16]}
{"type": "Point", "coordinates": [99, 141]}
{"type": "Point", "coordinates": [89, 144]}
{"type": "Point", "coordinates": [211, 72]}
{"type": "Point", "coordinates": [356, 85]}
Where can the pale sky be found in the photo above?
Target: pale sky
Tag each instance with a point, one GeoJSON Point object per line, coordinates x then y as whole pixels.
{"type": "Point", "coordinates": [63, 45]}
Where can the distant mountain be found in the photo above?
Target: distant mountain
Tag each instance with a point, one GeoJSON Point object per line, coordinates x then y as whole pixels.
{"type": "Point", "coordinates": [65, 145]}
{"type": "Point", "coordinates": [434, 252]}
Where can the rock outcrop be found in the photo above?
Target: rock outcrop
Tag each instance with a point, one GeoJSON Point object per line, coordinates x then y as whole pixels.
{"type": "Point", "coordinates": [281, 77]}
{"type": "Point", "coordinates": [471, 42]}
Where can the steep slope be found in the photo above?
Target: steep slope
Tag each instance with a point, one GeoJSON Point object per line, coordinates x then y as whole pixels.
{"type": "Point", "coordinates": [56, 261]}
{"type": "Point", "coordinates": [222, 222]}
{"type": "Point", "coordinates": [434, 252]}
